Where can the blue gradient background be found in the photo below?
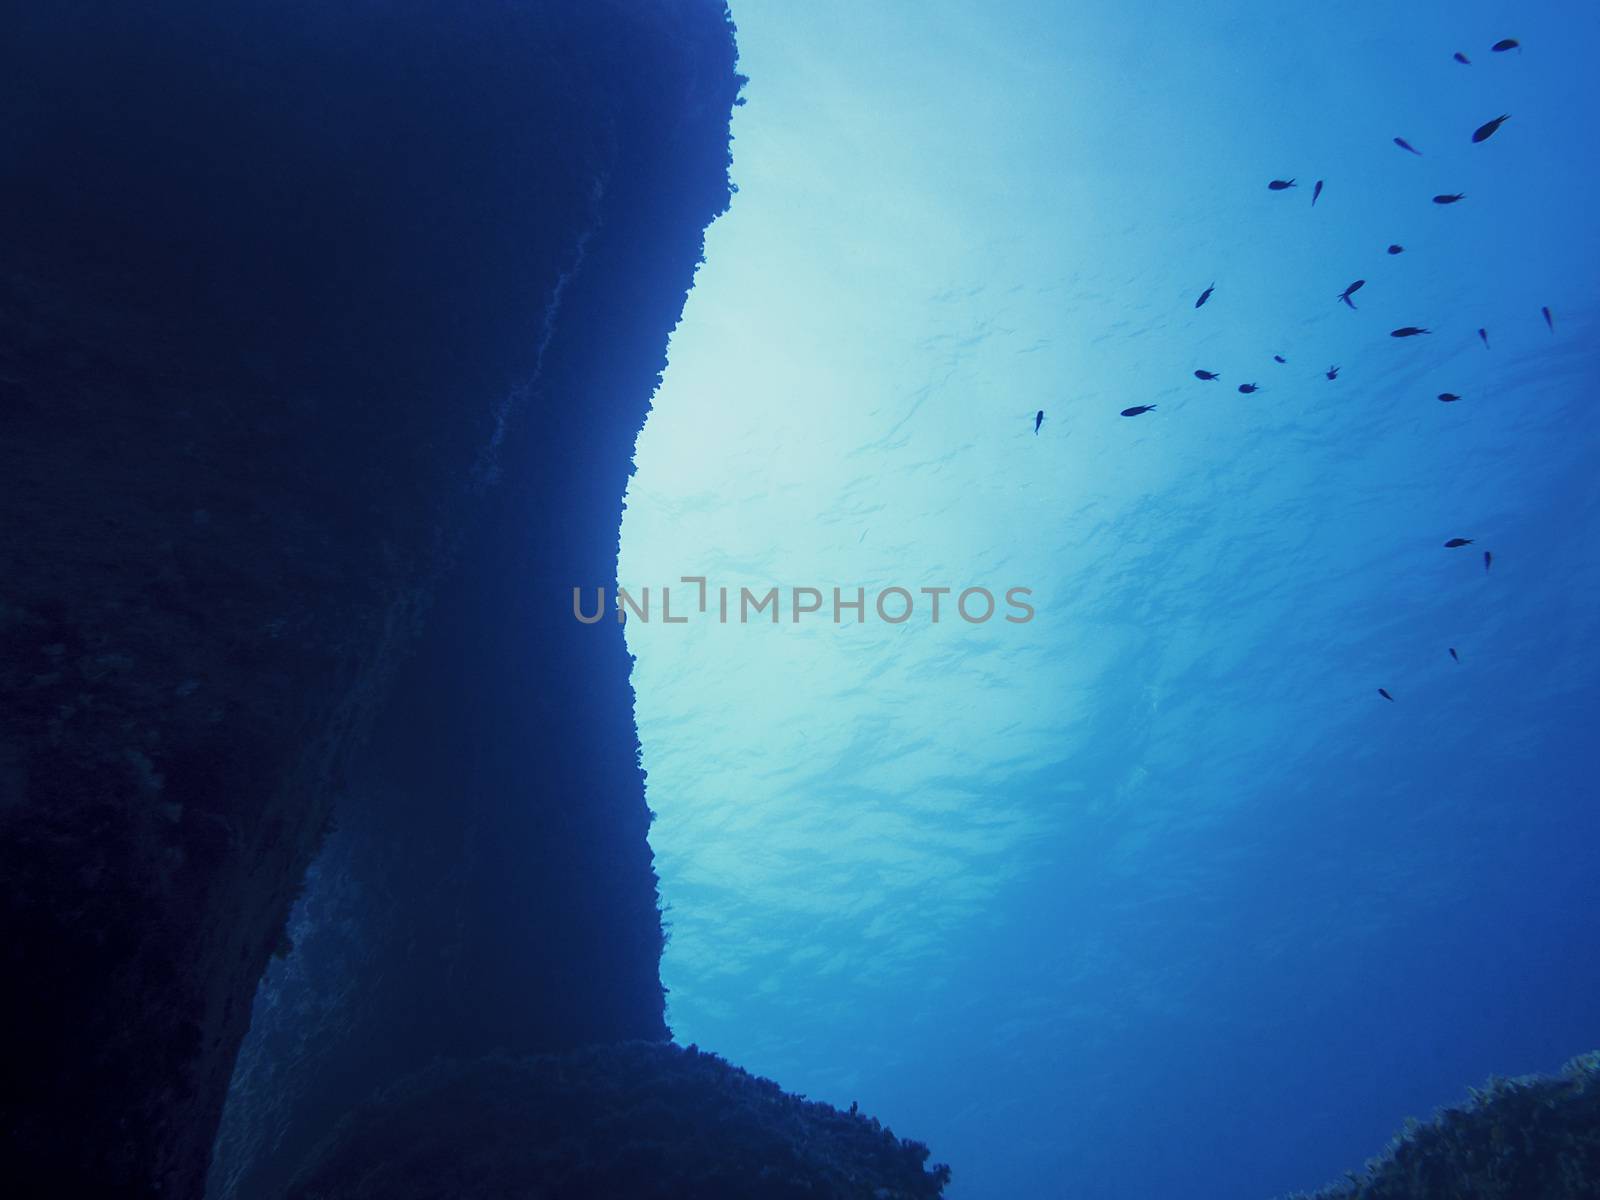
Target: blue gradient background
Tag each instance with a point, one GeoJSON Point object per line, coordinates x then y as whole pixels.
{"type": "Point", "coordinates": [1153, 896]}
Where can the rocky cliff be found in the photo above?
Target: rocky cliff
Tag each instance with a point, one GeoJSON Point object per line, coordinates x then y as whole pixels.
{"type": "Point", "coordinates": [325, 332]}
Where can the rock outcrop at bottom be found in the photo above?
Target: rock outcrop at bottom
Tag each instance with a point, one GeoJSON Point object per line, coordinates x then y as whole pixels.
{"type": "Point", "coordinates": [638, 1119]}
{"type": "Point", "coordinates": [1535, 1138]}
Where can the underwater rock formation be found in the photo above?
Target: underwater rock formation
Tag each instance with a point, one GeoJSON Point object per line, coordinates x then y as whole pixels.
{"type": "Point", "coordinates": [326, 330]}
{"type": "Point", "coordinates": [637, 1119]}
{"type": "Point", "coordinates": [1536, 1138]}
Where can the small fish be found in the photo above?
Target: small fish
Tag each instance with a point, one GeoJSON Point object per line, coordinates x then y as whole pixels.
{"type": "Point", "coordinates": [1137, 409]}
{"type": "Point", "coordinates": [1248, 388]}
{"type": "Point", "coordinates": [1549, 321]}
{"type": "Point", "coordinates": [1449, 397]}
{"type": "Point", "coordinates": [1278, 358]}
{"type": "Point", "coordinates": [1333, 372]}
{"type": "Point", "coordinates": [1462, 58]}
{"type": "Point", "coordinates": [1208, 376]}
{"type": "Point", "coordinates": [1405, 145]}
{"type": "Point", "coordinates": [1038, 420]}
{"type": "Point", "coordinates": [1449, 198]}
{"type": "Point", "coordinates": [1487, 559]}
{"type": "Point", "coordinates": [1505, 44]}
{"type": "Point", "coordinates": [1351, 291]}
{"type": "Point", "coordinates": [1486, 131]}
{"type": "Point", "coordinates": [1396, 248]}
{"type": "Point", "coordinates": [1205, 295]}
{"type": "Point", "coordinates": [1457, 543]}
{"type": "Point", "coordinates": [1484, 334]}
{"type": "Point", "coordinates": [1385, 694]}
{"type": "Point", "coordinates": [1277, 185]}
{"type": "Point", "coordinates": [1315, 192]}
{"type": "Point", "coordinates": [1408, 331]}
{"type": "Point", "coordinates": [1454, 655]}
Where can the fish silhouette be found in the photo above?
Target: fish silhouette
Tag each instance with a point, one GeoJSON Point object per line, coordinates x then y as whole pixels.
{"type": "Point", "coordinates": [1484, 334]}
{"type": "Point", "coordinates": [1487, 559]}
{"type": "Point", "coordinates": [1407, 331]}
{"type": "Point", "coordinates": [1454, 655]}
{"type": "Point", "coordinates": [1385, 694]}
{"type": "Point", "coordinates": [1449, 397]}
{"type": "Point", "coordinates": [1462, 58]}
{"type": "Point", "coordinates": [1550, 322]}
{"type": "Point", "coordinates": [1137, 409]}
{"type": "Point", "coordinates": [1456, 543]}
{"type": "Point", "coordinates": [1277, 185]}
{"type": "Point", "coordinates": [1505, 44]}
{"type": "Point", "coordinates": [1315, 192]}
{"type": "Point", "coordinates": [1333, 372]}
{"type": "Point", "coordinates": [1207, 375]}
{"type": "Point", "coordinates": [1405, 145]}
{"type": "Point", "coordinates": [1396, 248]}
{"type": "Point", "coordinates": [1486, 131]}
{"type": "Point", "coordinates": [1278, 358]}
{"type": "Point", "coordinates": [1350, 291]}
{"type": "Point", "coordinates": [1205, 295]}
{"type": "Point", "coordinates": [1038, 420]}
{"type": "Point", "coordinates": [1247, 388]}
{"type": "Point", "coordinates": [1449, 198]}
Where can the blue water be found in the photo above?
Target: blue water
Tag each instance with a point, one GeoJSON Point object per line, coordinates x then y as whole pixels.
{"type": "Point", "coordinates": [1153, 895]}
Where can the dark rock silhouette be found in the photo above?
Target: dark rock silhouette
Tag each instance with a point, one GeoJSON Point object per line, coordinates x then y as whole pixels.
{"type": "Point", "coordinates": [1514, 1140]}
{"type": "Point", "coordinates": [629, 1120]}
{"type": "Point", "coordinates": [327, 331]}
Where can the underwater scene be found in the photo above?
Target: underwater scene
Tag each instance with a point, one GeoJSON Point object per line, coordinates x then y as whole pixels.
{"type": "Point", "coordinates": [682, 600]}
{"type": "Point", "coordinates": [1258, 344]}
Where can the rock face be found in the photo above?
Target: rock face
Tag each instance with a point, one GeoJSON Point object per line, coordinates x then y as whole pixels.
{"type": "Point", "coordinates": [1536, 1138]}
{"type": "Point", "coordinates": [324, 328]}
{"type": "Point", "coordinates": [641, 1120]}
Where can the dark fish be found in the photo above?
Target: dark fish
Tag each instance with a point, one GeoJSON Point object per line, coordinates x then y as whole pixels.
{"type": "Point", "coordinates": [1205, 295]}
{"type": "Point", "coordinates": [1449, 198]}
{"type": "Point", "coordinates": [1207, 375]}
{"type": "Point", "coordinates": [1454, 655]}
{"type": "Point", "coordinates": [1385, 694]}
{"type": "Point", "coordinates": [1462, 58]}
{"type": "Point", "coordinates": [1137, 409]}
{"type": "Point", "coordinates": [1278, 358]}
{"type": "Point", "coordinates": [1333, 372]}
{"type": "Point", "coordinates": [1456, 543]}
{"type": "Point", "coordinates": [1484, 334]}
{"type": "Point", "coordinates": [1351, 291]}
{"type": "Point", "coordinates": [1038, 420]}
{"type": "Point", "coordinates": [1405, 145]}
{"type": "Point", "coordinates": [1407, 331]}
{"type": "Point", "coordinates": [1315, 192]}
{"type": "Point", "coordinates": [1550, 322]}
{"type": "Point", "coordinates": [1505, 44]}
{"type": "Point", "coordinates": [1247, 388]}
{"type": "Point", "coordinates": [1397, 248]}
{"type": "Point", "coordinates": [1449, 397]}
{"type": "Point", "coordinates": [1486, 131]}
{"type": "Point", "coordinates": [1277, 185]}
{"type": "Point", "coordinates": [1487, 559]}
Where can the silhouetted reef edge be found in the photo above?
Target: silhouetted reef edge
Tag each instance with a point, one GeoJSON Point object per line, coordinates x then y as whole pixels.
{"type": "Point", "coordinates": [1532, 1138]}
{"type": "Point", "coordinates": [639, 1119]}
